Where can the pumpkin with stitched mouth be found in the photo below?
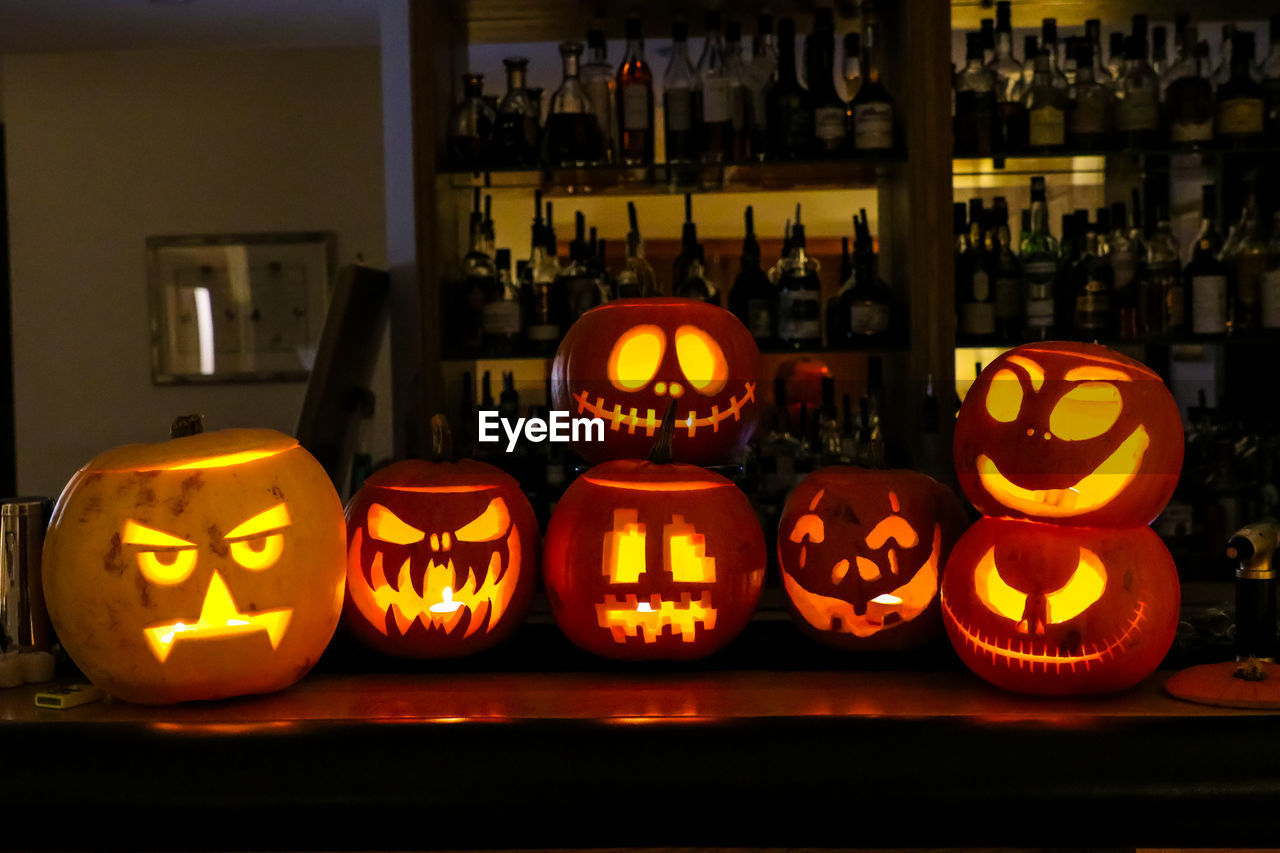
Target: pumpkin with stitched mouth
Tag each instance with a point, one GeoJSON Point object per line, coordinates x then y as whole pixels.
{"type": "Point", "coordinates": [442, 556]}
{"type": "Point", "coordinates": [1069, 433]}
{"type": "Point", "coordinates": [650, 560]}
{"type": "Point", "coordinates": [861, 553]}
{"type": "Point", "coordinates": [210, 565]}
{"type": "Point", "coordinates": [625, 361]}
{"type": "Point", "coordinates": [1052, 609]}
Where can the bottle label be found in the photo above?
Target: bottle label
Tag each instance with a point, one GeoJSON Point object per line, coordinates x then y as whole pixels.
{"type": "Point", "coordinates": [1047, 127]}
{"type": "Point", "coordinates": [1137, 112]}
{"type": "Point", "coordinates": [1007, 298]}
{"type": "Point", "coordinates": [873, 126]}
{"type": "Point", "coordinates": [799, 315]}
{"type": "Point", "coordinates": [600, 91]}
{"type": "Point", "coordinates": [870, 318]}
{"type": "Point", "coordinates": [501, 318]}
{"type": "Point", "coordinates": [1173, 300]}
{"type": "Point", "coordinates": [1191, 131]}
{"type": "Point", "coordinates": [1124, 267]}
{"type": "Point", "coordinates": [1041, 272]}
{"type": "Point", "coordinates": [679, 106]}
{"type": "Point", "coordinates": [1093, 305]}
{"type": "Point", "coordinates": [1088, 118]}
{"type": "Point", "coordinates": [760, 318]}
{"type": "Point", "coordinates": [981, 286]}
{"type": "Point", "coordinates": [715, 99]}
{"type": "Point", "coordinates": [828, 123]}
{"type": "Point", "coordinates": [1209, 304]}
{"type": "Point", "coordinates": [1271, 299]}
{"type": "Point", "coordinates": [543, 332]}
{"type": "Point", "coordinates": [635, 108]}
{"type": "Point", "coordinates": [978, 318]}
{"type": "Point", "coordinates": [1039, 313]}
{"type": "Point", "coordinates": [1240, 116]}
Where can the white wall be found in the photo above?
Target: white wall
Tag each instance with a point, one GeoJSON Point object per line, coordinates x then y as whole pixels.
{"type": "Point", "coordinates": [107, 148]}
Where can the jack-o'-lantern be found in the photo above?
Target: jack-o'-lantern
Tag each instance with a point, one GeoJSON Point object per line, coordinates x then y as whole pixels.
{"type": "Point", "coordinates": [648, 560]}
{"type": "Point", "coordinates": [1071, 434]}
{"type": "Point", "coordinates": [625, 361]}
{"type": "Point", "coordinates": [441, 556]}
{"type": "Point", "coordinates": [1054, 609]}
{"type": "Point", "coordinates": [861, 553]}
{"type": "Point", "coordinates": [207, 566]}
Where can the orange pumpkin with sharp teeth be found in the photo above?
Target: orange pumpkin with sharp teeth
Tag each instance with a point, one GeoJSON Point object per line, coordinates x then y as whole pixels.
{"type": "Point", "coordinates": [861, 552]}
{"type": "Point", "coordinates": [207, 566]}
{"type": "Point", "coordinates": [625, 361]}
{"type": "Point", "coordinates": [441, 557]}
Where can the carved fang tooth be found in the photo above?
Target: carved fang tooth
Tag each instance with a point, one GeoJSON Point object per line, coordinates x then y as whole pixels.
{"type": "Point", "coordinates": [405, 579]}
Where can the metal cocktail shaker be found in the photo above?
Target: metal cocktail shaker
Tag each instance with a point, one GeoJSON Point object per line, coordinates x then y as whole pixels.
{"type": "Point", "coordinates": [24, 622]}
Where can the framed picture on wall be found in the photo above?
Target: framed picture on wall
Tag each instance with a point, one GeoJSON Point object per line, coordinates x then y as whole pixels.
{"type": "Point", "coordinates": [237, 307]}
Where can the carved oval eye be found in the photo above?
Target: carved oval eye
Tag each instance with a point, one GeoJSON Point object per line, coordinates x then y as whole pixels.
{"type": "Point", "coordinates": [487, 526]}
{"type": "Point", "coordinates": [636, 356]}
{"type": "Point", "coordinates": [701, 360]}
{"type": "Point", "coordinates": [1082, 589]}
{"type": "Point", "coordinates": [1004, 396]}
{"type": "Point", "coordinates": [260, 552]}
{"type": "Point", "coordinates": [995, 592]}
{"type": "Point", "coordinates": [167, 567]}
{"type": "Point", "coordinates": [386, 526]}
{"type": "Point", "coordinates": [1086, 411]}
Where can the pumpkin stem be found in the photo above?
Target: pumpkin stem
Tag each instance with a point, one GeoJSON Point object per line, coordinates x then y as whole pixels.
{"type": "Point", "coordinates": [441, 439]}
{"type": "Point", "coordinates": [1250, 669]}
{"type": "Point", "coordinates": [661, 452]}
{"type": "Point", "coordinates": [184, 425]}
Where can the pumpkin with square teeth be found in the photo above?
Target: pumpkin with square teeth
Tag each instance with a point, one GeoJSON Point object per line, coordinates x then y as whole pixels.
{"type": "Point", "coordinates": [207, 566]}
{"type": "Point", "coordinates": [861, 553]}
{"type": "Point", "coordinates": [442, 556]}
{"type": "Point", "coordinates": [648, 560]}
{"type": "Point", "coordinates": [625, 361]}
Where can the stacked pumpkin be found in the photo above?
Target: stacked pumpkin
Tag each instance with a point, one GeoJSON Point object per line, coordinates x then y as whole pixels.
{"type": "Point", "coordinates": [657, 558]}
{"type": "Point", "coordinates": [1070, 451]}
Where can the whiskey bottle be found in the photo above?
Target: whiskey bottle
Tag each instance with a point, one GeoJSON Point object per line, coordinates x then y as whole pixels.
{"type": "Point", "coordinates": [1189, 102]}
{"type": "Point", "coordinates": [977, 128]}
{"type": "Point", "coordinates": [754, 299]}
{"type": "Point", "coordinates": [1205, 275]}
{"type": "Point", "coordinates": [1093, 36]}
{"type": "Point", "coordinates": [677, 98]}
{"type": "Point", "coordinates": [789, 115]}
{"type": "Point", "coordinates": [572, 136]}
{"type": "Point", "coordinates": [542, 332]}
{"type": "Point", "coordinates": [975, 300]}
{"type": "Point", "coordinates": [634, 85]}
{"type": "Point", "coordinates": [690, 279]}
{"type": "Point", "coordinates": [760, 76]}
{"type": "Point", "coordinates": [1247, 264]}
{"type": "Point", "coordinates": [1137, 97]}
{"type": "Point", "coordinates": [636, 278]}
{"type": "Point", "coordinates": [469, 134]}
{"type": "Point", "coordinates": [1008, 275]}
{"type": "Point", "coordinates": [712, 114]}
{"type": "Point", "coordinates": [577, 288]}
{"type": "Point", "coordinates": [872, 107]}
{"type": "Point", "coordinates": [1089, 116]}
{"type": "Point", "coordinates": [865, 303]}
{"type": "Point", "coordinates": [1008, 71]}
{"type": "Point", "coordinates": [735, 70]}
{"type": "Point", "coordinates": [1115, 58]}
{"type": "Point", "coordinates": [501, 312]}
{"type": "Point", "coordinates": [1049, 46]}
{"type": "Point", "coordinates": [479, 276]}
{"type": "Point", "coordinates": [1241, 99]}
{"type": "Point", "coordinates": [851, 66]}
{"type": "Point", "coordinates": [1125, 257]}
{"type": "Point", "coordinates": [1046, 108]}
{"type": "Point", "coordinates": [830, 131]}
{"type": "Point", "coordinates": [1040, 261]}
{"type": "Point", "coordinates": [799, 295]}
{"type": "Point", "coordinates": [516, 135]}
{"type": "Point", "coordinates": [1164, 294]}
{"type": "Point", "coordinates": [600, 84]}
{"type": "Point", "coordinates": [1093, 285]}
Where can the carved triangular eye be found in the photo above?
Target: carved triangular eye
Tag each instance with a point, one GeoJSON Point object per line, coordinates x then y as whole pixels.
{"type": "Point", "coordinates": [489, 525]}
{"type": "Point", "coordinates": [386, 526]}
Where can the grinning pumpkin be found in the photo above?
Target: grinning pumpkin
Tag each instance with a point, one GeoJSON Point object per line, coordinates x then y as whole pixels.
{"type": "Point", "coordinates": [1053, 609]}
{"type": "Point", "coordinates": [625, 361]}
{"type": "Point", "coordinates": [861, 553]}
{"type": "Point", "coordinates": [1069, 433]}
{"type": "Point", "coordinates": [442, 557]}
{"type": "Point", "coordinates": [207, 566]}
{"type": "Point", "coordinates": [648, 560]}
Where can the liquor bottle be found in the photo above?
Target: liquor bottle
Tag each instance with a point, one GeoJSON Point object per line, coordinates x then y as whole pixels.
{"type": "Point", "coordinates": [578, 288]}
{"type": "Point", "coordinates": [516, 134]}
{"type": "Point", "coordinates": [634, 85]}
{"type": "Point", "coordinates": [790, 118]}
{"type": "Point", "coordinates": [873, 454]}
{"type": "Point", "coordinates": [1008, 71]}
{"type": "Point", "coordinates": [469, 134]}
{"type": "Point", "coordinates": [852, 66]}
{"type": "Point", "coordinates": [1093, 36]}
{"type": "Point", "coordinates": [677, 98]}
{"type": "Point", "coordinates": [1046, 109]}
{"type": "Point", "coordinates": [1189, 102]}
{"type": "Point", "coordinates": [1246, 264]}
{"type": "Point", "coordinates": [1115, 58]}
{"type": "Point", "coordinates": [1049, 45]}
{"type": "Point", "coordinates": [1137, 98]}
{"type": "Point", "coordinates": [1124, 256]}
{"type": "Point", "coordinates": [866, 305]}
{"type": "Point", "coordinates": [760, 76]}
{"type": "Point", "coordinates": [1270, 288]}
{"type": "Point", "coordinates": [1184, 53]}
{"type": "Point", "coordinates": [848, 431]}
{"type": "Point", "coordinates": [1089, 116]}
{"type": "Point", "coordinates": [1271, 81]}
{"type": "Point", "coordinates": [872, 108]}
{"type": "Point", "coordinates": [599, 81]}
{"type": "Point", "coordinates": [501, 311]}
{"type": "Point", "coordinates": [712, 117]}
{"type": "Point", "coordinates": [1031, 49]}
{"type": "Point", "coordinates": [828, 418]}
{"type": "Point", "coordinates": [975, 306]}
{"type": "Point", "coordinates": [1222, 73]}
{"type": "Point", "coordinates": [1241, 99]}
{"type": "Point", "coordinates": [1040, 266]}
{"type": "Point", "coordinates": [479, 276]}
{"type": "Point", "coordinates": [830, 128]}
{"type": "Point", "coordinates": [1206, 277]}
{"type": "Point", "coordinates": [1164, 294]}
{"type": "Point", "coordinates": [739, 99]}
{"type": "Point", "coordinates": [1159, 51]}
{"type": "Point", "coordinates": [1008, 277]}
{"type": "Point", "coordinates": [690, 279]}
{"type": "Point", "coordinates": [542, 332]}
{"type": "Point", "coordinates": [799, 295]}
{"type": "Point", "coordinates": [775, 271]}
{"type": "Point", "coordinates": [977, 128]}
{"type": "Point", "coordinates": [572, 136]}
{"type": "Point", "coordinates": [636, 278]}
{"type": "Point", "coordinates": [754, 299]}
{"type": "Point", "coordinates": [1093, 287]}
{"type": "Point", "coordinates": [987, 34]}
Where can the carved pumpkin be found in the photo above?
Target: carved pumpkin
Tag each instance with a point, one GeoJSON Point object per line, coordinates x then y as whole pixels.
{"type": "Point", "coordinates": [1069, 433]}
{"type": "Point", "coordinates": [441, 558]}
{"type": "Point", "coordinates": [861, 553]}
{"type": "Point", "coordinates": [625, 361]}
{"type": "Point", "coordinates": [647, 560]}
{"type": "Point", "coordinates": [1053, 609]}
{"type": "Point", "coordinates": [207, 566]}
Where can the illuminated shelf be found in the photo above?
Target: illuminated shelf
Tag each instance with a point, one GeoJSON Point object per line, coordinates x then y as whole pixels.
{"type": "Point", "coordinates": [1072, 161]}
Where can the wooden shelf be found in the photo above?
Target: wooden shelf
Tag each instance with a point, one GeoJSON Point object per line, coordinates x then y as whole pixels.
{"type": "Point", "coordinates": [1114, 14]}
{"type": "Point", "coordinates": [1071, 161]}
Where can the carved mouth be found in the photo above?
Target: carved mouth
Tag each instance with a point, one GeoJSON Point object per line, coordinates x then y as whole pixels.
{"type": "Point", "coordinates": [438, 600]}
{"type": "Point", "coordinates": [651, 420]}
{"type": "Point", "coordinates": [1030, 653]}
{"type": "Point", "coordinates": [219, 617]}
{"type": "Point", "coordinates": [1092, 491]}
{"type": "Point", "coordinates": [903, 604]}
{"type": "Point", "coordinates": [629, 615]}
